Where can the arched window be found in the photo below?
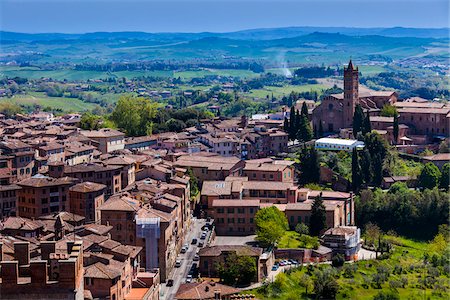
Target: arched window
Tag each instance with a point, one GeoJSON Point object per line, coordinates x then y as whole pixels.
{"type": "Point", "coordinates": [330, 106]}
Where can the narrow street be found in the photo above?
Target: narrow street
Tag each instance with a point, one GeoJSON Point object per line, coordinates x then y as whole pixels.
{"type": "Point", "coordinates": [179, 274]}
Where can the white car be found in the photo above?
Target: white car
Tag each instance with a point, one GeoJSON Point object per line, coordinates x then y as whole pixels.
{"type": "Point", "coordinates": [189, 279]}
{"type": "Point", "coordinates": [183, 249]}
{"type": "Point", "coordinates": [196, 257]}
{"type": "Point", "coordinates": [178, 263]}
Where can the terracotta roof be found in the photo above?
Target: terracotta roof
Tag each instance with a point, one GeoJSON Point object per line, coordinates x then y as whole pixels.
{"type": "Point", "coordinates": [120, 204]}
{"type": "Point", "coordinates": [98, 229]}
{"type": "Point", "coordinates": [44, 181]}
{"type": "Point", "coordinates": [119, 160]}
{"type": "Point", "coordinates": [87, 187]}
{"type": "Point", "coordinates": [102, 133]}
{"type": "Point", "coordinates": [14, 144]}
{"type": "Point", "coordinates": [235, 203]}
{"type": "Point", "coordinates": [438, 157]}
{"type": "Point", "coordinates": [18, 223]}
{"type": "Point", "coordinates": [99, 270]}
{"type": "Point", "coordinates": [329, 195]}
{"type": "Point", "coordinates": [203, 290]}
{"type": "Point", "coordinates": [342, 230]}
{"type": "Point", "coordinates": [239, 249]}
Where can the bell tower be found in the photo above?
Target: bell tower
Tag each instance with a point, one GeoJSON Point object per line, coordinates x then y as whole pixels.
{"type": "Point", "coordinates": [351, 97]}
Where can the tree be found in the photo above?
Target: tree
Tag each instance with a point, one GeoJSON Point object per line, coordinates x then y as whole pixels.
{"type": "Point", "coordinates": [286, 125]}
{"type": "Point", "coordinates": [309, 166]}
{"type": "Point", "coordinates": [338, 260]}
{"type": "Point", "coordinates": [320, 133]}
{"type": "Point", "coordinates": [317, 221]}
{"type": "Point", "coordinates": [298, 120]}
{"type": "Point", "coordinates": [356, 171]}
{"type": "Point", "coordinates": [306, 282]}
{"type": "Point", "coordinates": [304, 111]}
{"type": "Point", "coordinates": [302, 228]}
{"type": "Point", "coordinates": [445, 177]}
{"type": "Point", "coordinates": [325, 284]}
{"type": "Point", "coordinates": [134, 115]}
{"type": "Point", "coordinates": [10, 109]}
{"type": "Point", "coordinates": [358, 119]}
{"type": "Point", "coordinates": [292, 129]}
{"type": "Point", "coordinates": [388, 111]}
{"type": "Point", "coordinates": [237, 270]}
{"type": "Point", "coordinates": [367, 127]}
{"type": "Point", "coordinates": [386, 295]}
{"type": "Point", "coordinates": [90, 122]}
{"type": "Point", "coordinates": [366, 166]}
{"type": "Point", "coordinates": [395, 130]}
{"type": "Point", "coordinates": [193, 183]}
{"type": "Point", "coordinates": [271, 224]}
{"type": "Point", "coordinates": [430, 176]}
{"type": "Point", "coordinates": [304, 133]}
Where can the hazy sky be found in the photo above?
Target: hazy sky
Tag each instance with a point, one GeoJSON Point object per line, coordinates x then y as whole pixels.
{"type": "Point", "coordinates": [74, 16]}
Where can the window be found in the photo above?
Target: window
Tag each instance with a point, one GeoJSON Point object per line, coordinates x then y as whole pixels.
{"type": "Point", "coordinates": [220, 210]}
{"type": "Point", "coordinates": [240, 210]}
{"type": "Point", "coordinates": [251, 220]}
{"type": "Point", "coordinates": [231, 210]}
{"type": "Point", "coordinates": [44, 200]}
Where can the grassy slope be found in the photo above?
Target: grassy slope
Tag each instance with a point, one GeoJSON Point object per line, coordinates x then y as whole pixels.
{"type": "Point", "coordinates": [406, 252]}
{"type": "Point", "coordinates": [65, 104]}
{"type": "Point", "coordinates": [285, 90]}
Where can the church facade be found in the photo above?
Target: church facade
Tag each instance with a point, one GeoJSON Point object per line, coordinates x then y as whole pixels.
{"type": "Point", "coordinates": [336, 110]}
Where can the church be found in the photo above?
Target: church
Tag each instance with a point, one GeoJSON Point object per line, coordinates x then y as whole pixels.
{"type": "Point", "coordinates": [336, 110]}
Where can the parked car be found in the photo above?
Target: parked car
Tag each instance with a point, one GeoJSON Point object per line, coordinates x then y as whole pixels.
{"type": "Point", "coordinates": [275, 267]}
{"type": "Point", "coordinates": [183, 249]}
{"type": "Point", "coordinates": [196, 257]}
{"type": "Point", "coordinates": [194, 241]}
{"type": "Point", "coordinates": [186, 246]}
{"type": "Point", "coordinates": [169, 282]}
{"type": "Point", "coordinates": [178, 263]}
{"type": "Point", "coordinates": [189, 279]}
{"type": "Point", "coordinates": [293, 261]}
{"type": "Point", "coordinates": [200, 244]}
{"type": "Point", "coordinates": [208, 219]}
{"type": "Point", "coordinates": [282, 263]}
{"type": "Point", "coordinates": [203, 236]}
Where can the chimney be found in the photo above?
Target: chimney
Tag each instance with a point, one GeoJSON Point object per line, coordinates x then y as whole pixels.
{"type": "Point", "coordinates": [9, 272]}
{"type": "Point", "coordinates": [22, 253]}
{"type": "Point", "coordinates": [47, 247]}
{"type": "Point", "coordinates": [38, 270]}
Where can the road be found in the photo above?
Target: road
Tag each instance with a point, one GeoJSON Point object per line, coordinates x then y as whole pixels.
{"type": "Point", "coordinates": [179, 274]}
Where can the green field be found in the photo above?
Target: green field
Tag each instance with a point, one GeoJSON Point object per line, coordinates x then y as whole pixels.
{"type": "Point", "coordinates": [292, 239]}
{"type": "Point", "coordinates": [286, 90]}
{"type": "Point", "coordinates": [406, 253]}
{"type": "Point", "coordinates": [60, 103]}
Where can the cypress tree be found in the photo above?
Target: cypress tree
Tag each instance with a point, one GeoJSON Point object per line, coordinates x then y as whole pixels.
{"type": "Point", "coordinates": [317, 222]}
{"type": "Point", "coordinates": [377, 167]}
{"type": "Point", "coordinates": [396, 129]}
{"type": "Point", "coordinates": [286, 125]}
{"type": "Point", "coordinates": [297, 122]}
{"type": "Point", "coordinates": [304, 133]}
{"type": "Point", "coordinates": [304, 109]}
{"type": "Point", "coordinates": [292, 131]}
{"type": "Point", "coordinates": [356, 172]}
{"type": "Point", "coordinates": [366, 166]}
{"type": "Point", "coordinates": [320, 129]}
{"type": "Point", "coordinates": [367, 127]}
{"type": "Point", "coordinates": [358, 119]}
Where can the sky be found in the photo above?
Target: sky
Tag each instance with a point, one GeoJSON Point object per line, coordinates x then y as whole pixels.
{"type": "Point", "coordinates": [79, 16]}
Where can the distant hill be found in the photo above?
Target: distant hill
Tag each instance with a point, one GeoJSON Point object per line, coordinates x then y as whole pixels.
{"type": "Point", "coordinates": [251, 34]}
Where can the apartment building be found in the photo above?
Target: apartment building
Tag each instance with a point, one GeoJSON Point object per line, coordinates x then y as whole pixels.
{"type": "Point", "coordinates": [269, 170]}
{"type": "Point", "coordinates": [22, 159]}
{"type": "Point", "coordinates": [41, 195]}
{"type": "Point", "coordinates": [108, 140]}
{"type": "Point", "coordinates": [85, 198]}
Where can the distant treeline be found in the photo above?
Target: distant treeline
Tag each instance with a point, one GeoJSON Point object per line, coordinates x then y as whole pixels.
{"type": "Point", "coordinates": [318, 72]}
{"type": "Point", "coordinates": [170, 66]}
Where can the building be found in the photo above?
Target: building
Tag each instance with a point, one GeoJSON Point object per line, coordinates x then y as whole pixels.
{"type": "Point", "coordinates": [206, 290]}
{"type": "Point", "coordinates": [338, 144]}
{"type": "Point", "coordinates": [41, 195]}
{"type": "Point", "coordinates": [22, 158]}
{"type": "Point", "coordinates": [8, 199]}
{"type": "Point", "coordinates": [344, 240]}
{"type": "Point", "coordinates": [336, 111]}
{"type": "Point", "coordinates": [234, 216]}
{"type": "Point", "coordinates": [210, 167]}
{"type": "Point", "coordinates": [85, 198]}
{"type": "Point", "coordinates": [111, 176]}
{"type": "Point", "coordinates": [53, 276]}
{"type": "Point", "coordinates": [438, 159]}
{"type": "Point", "coordinates": [211, 256]}
{"type": "Point", "coordinates": [108, 140]}
{"type": "Point", "coordinates": [269, 170]}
